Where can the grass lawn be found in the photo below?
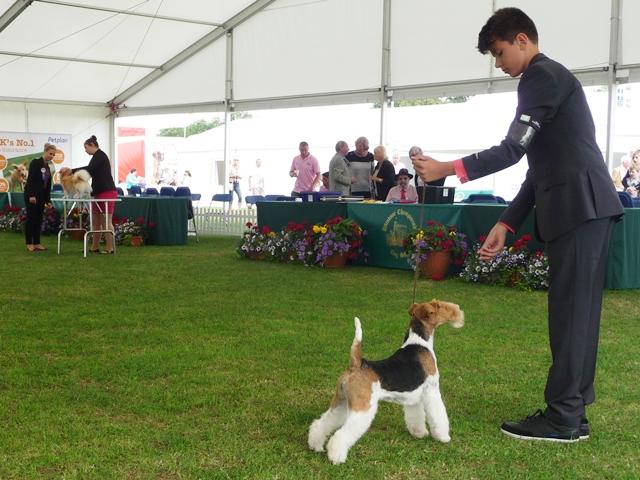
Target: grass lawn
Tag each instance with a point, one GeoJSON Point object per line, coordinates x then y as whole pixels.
{"type": "Point", "coordinates": [188, 362]}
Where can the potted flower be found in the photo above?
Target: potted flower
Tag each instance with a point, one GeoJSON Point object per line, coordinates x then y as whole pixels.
{"type": "Point", "coordinates": [253, 242]}
{"type": "Point", "coordinates": [338, 240]}
{"type": "Point", "coordinates": [433, 247]}
{"type": "Point", "coordinates": [77, 223]}
{"type": "Point", "coordinates": [12, 219]}
{"type": "Point", "coordinates": [132, 232]}
{"type": "Point", "coordinates": [515, 266]}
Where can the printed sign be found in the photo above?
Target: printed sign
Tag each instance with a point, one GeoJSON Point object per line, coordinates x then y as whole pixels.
{"type": "Point", "coordinates": [18, 149]}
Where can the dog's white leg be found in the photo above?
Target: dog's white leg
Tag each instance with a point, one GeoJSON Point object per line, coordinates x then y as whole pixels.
{"type": "Point", "coordinates": [414, 417]}
{"type": "Point", "coordinates": [324, 426]}
{"type": "Point", "coordinates": [435, 410]}
{"type": "Point", "coordinates": [356, 425]}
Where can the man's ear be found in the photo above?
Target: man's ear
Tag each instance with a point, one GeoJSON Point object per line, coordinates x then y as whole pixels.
{"type": "Point", "coordinates": [522, 40]}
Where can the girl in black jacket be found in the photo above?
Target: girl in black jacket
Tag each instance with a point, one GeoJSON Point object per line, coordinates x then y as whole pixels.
{"type": "Point", "coordinates": [37, 193]}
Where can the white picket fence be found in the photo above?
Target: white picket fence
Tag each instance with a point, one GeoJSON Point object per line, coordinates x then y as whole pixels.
{"type": "Point", "coordinates": [221, 221]}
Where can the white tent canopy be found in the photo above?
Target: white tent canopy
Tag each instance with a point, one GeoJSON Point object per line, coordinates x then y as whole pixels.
{"type": "Point", "coordinates": [155, 56]}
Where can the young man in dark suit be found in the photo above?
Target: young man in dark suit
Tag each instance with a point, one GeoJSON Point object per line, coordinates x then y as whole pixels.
{"type": "Point", "coordinates": [576, 205]}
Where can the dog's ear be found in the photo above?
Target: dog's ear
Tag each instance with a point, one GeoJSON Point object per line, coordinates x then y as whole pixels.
{"type": "Point", "coordinates": [412, 308]}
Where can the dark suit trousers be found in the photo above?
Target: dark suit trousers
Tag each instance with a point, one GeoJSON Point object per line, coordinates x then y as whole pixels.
{"type": "Point", "coordinates": [33, 223]}
{"type": "Point", "coordinates": [577, 267]}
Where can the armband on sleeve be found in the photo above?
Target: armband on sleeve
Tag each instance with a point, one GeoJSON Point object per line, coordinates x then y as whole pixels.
{"type": "Point", "coordinates": [523, 129]}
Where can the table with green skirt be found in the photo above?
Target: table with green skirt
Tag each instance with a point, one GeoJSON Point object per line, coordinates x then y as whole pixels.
{"type": "Point", "coordinates": [169, 214]}
{"type": "Point", "coordinates": [388, 224]}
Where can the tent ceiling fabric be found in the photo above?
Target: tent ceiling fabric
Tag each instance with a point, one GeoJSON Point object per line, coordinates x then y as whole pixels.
{"type": "Point", "coordinates": [307, 49]}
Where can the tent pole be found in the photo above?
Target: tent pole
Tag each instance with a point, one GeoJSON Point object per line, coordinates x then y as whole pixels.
{"type": "Point", "coordinates": [386, 68]}
{"type": "Point", "coordinates": [614, 44]}
{"type": "Point", "coordinates": [228, 108]}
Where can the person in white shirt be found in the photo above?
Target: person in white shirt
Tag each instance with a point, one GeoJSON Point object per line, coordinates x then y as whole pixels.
{"type": "Point", "coordinates": [403, 192]}
{"type": "Point", "coordinates": [256, 180]}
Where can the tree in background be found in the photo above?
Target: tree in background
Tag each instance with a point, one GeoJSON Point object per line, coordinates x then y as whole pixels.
{"type": "Point", "coordinates": [198, 126]}
{"type": "Point", "coordinates": [427, 101]}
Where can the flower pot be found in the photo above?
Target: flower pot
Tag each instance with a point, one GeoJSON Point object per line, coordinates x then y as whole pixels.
{"type": "Point", "coordinates": [76, 234]}
{"type": "Point", "coordinates": [337, 260]}
{"type": "Point", "coordinates": [436, 265]}
{"type": "Point", "coordinates": [136, 241]}
{"type": "Point", "coordinates": [255, 255]}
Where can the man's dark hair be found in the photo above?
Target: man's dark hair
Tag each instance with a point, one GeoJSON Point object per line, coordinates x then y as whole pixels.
{"type": "Point", "coordinates": [505, 24]}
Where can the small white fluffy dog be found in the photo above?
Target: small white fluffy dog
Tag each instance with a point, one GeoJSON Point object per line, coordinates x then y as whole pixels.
{"type": "Point", "coordinates": [408, 377]}
{"type": "Point", "coordinates": [75, 185]}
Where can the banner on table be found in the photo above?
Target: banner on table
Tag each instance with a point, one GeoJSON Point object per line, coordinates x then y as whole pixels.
{"type": "Point", "coordinates": [17, 149]}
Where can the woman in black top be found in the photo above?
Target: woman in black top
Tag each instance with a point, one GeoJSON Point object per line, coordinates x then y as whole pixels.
{"type": "Point", "coordinates": [103, 187]}
{"type": "Point", "coordinates": [384, 175]}
{"type": "Point", "coordinates": [37, 192]}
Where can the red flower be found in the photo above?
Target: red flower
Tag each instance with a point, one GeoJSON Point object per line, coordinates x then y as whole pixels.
{"type": "Point", "coordinates": [248, 224]}
{"type": "Point", "coordinates": [265, 230]}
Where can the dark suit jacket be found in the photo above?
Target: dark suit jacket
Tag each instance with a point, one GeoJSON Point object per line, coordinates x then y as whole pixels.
{"type": "Point", "coordinates": [567, 180]}
{"type": "Point", "coordinates": [388, 175]}
{"type": "Point", "coordinates": [36, 186]}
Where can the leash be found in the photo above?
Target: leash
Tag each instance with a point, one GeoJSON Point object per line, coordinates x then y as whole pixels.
{"type": "Point", "coordinates": [416, 271]}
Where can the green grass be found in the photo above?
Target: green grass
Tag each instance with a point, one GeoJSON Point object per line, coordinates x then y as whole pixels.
{"type": "Point", "coordinates": [187, 362]}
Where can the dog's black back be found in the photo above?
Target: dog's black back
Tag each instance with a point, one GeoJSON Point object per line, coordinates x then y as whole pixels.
{"type": "Point", "coordinates": [402, 371]}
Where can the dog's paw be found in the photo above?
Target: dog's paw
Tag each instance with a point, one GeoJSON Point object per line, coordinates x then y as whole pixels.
{"type": "Point", "coordinates": [316, 437]}
{"type": "Point", "coordinates": [419, 432]}
{"type": "Point", "coordinates": [336, 451]}
{"type": "Point", "coordinates": [441, 436]}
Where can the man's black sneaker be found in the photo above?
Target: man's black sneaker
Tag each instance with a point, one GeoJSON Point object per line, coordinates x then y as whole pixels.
{"type": "Point", "coordinates": [539, 427]}
{"type": "Point", "coordinates": [584, 430]}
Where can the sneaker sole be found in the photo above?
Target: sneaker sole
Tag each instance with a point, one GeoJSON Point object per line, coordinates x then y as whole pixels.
{"type": "Point", "coordinates": [584, 437]}
{"type": "Point", "coordinates": [541, 439]}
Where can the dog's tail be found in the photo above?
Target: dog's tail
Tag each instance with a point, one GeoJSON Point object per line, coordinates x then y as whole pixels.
{"type": "Point", "coordinates": [355, 358]}
{"type": "Point", "coordinates": [83, 175]}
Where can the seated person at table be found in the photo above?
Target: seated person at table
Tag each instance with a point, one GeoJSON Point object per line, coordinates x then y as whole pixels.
{"type": "Point", "coordinates": [325, 182]}
{"type": "Point", "coordinates": [633, 181]}
{"type": "Point", "coordinates": [132, 178]}
{"type": "Point", "coordinates": [403, 192]}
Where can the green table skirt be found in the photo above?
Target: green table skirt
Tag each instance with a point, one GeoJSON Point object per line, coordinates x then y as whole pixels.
{"type": "Point", "coordinates": [388, 224]}
{"type": "Point", "coordinates": [168, 213]}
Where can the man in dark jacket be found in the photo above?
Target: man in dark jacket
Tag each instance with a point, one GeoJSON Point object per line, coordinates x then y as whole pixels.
{"type": "Point", "coordinates": [576, 205]}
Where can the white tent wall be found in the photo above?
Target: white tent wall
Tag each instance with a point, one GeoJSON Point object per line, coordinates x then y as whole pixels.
{"type": "Point", "coordinates": [296, 47]}
{"type": "Point", "coordinates": [78, 121]}
{"type": "Point", "coordinates": [199, 79]}
{"type": "Point", "coordinates": [630, 46]}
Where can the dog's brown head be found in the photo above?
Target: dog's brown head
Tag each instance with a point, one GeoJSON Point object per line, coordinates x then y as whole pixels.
{"type": "Point", "coordinates": [65, 172]}
{"type": "Point", "coordinates": [426, 317]}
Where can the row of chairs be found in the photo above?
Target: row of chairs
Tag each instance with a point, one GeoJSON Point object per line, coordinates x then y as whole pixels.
{"type": "Point", "coordinates": [627, 200]}
{"type": "Point", "coordinates": [249, 199]}
{"type": "Point", "coordinates": [484, 198]}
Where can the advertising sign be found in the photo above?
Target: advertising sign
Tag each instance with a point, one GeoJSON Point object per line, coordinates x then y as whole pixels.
{"type": "Point", "coordinates": [17, 149]}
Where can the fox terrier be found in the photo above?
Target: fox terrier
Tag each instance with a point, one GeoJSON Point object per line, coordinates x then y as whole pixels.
{"type": "Point", "coordinates": [408, 377]}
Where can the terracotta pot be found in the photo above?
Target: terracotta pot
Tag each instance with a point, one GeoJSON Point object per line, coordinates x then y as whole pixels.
{"type": "Point", "coordinates": [76, 234]}
{"type": "Point", "coordinates": [436, 265]}
{"type": "Point", "coordinates": [337, 260]}
{"type": "Point", "coordinates": [136, 241]}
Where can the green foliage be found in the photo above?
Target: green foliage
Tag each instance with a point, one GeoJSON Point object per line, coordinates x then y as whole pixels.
{"type": "Point", "coordinates": [415, 102]}
{"type": "Point", "coordinates": [199, 126]}
{"type": "Point", "coordinates": [187, 362]}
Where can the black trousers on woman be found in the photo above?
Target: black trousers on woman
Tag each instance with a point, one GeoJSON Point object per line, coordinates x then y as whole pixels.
{"type": "Point", "coordinates": [33, 225]}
